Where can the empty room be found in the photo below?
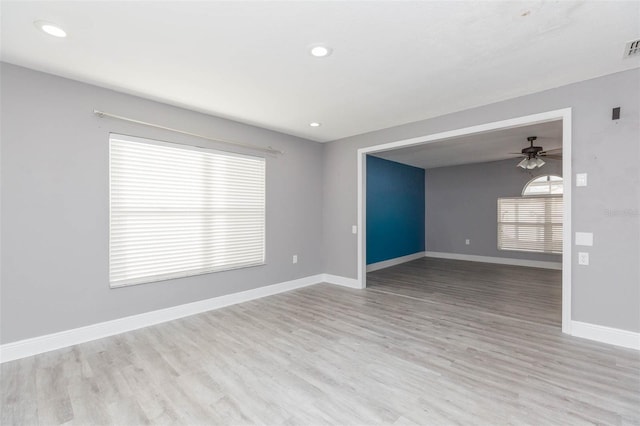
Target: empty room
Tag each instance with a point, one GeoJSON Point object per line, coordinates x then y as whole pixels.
{"type": "Point", "coordinates": [471, 199]}
{"type": "Point", "coordinates": [319, 213]}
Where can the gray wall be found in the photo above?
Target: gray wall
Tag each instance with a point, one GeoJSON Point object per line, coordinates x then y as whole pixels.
{"type": "Point", "coordinates": [606, 292]}
{"type": "Point", "coordinates": [55, 205]}
{"type": "Point", "coordinates": [462, 203]}
{"type": "Point", "coordinates": [54, 200]}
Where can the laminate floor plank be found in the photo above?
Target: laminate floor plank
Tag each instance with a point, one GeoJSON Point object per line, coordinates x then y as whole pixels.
{"type": "Point", "coordinates": [431, 341]}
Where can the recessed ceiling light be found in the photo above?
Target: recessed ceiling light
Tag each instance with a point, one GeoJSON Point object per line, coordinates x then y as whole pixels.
{"type": "Point", "coordinates": [320, 51]}
{"type": "Point", "coordinates": [314, 124]}
{"type": "Point", "coordinates": [51, 29]}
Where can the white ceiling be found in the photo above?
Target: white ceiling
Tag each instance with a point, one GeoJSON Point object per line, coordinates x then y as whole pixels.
{"type": "Point", "coordinates": [479, 147]}
{"type": "Point", "coordinates": [393, 62]}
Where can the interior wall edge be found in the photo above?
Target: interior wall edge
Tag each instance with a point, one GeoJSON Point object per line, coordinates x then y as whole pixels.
{"type": "Point", "coordinates": [341, 281]}
{"type": "Point", "coordinates": [395, 261]}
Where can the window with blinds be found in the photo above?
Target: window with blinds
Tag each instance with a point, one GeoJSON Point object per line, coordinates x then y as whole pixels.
{"type": "Point", "coordinates": [180, 210]}
{"type": "Point", "coordinates": [532, 224]}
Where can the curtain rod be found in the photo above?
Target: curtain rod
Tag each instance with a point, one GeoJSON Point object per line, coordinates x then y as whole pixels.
{"type": "Point", "coordinates": [269, 150]}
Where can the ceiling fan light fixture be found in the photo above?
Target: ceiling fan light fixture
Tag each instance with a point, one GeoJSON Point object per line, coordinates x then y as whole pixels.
{"type": "Point", "coordinates": [531, 153]}
{"type": "Point", "coordinates": [523, 163]}
{"type": "Point", "coordinates": [531, 163]}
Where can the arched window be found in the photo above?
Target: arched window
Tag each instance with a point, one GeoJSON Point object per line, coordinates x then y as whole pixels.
{"type": "Point", "coordinates": [532, 222]}
{"type": "Point", "coordinates": [543, 185]}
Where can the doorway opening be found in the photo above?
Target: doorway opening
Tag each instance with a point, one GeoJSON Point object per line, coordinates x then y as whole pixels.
{"type": "Point", "coordinates": [563, 116]}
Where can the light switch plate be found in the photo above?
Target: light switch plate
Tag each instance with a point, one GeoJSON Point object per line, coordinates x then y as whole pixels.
{"type": "Point", "coordinates": [584, 238]}
{"type": "Point", "coordinates": [581, 179]}
{"type": "Point", "coordinates": [354, 229]}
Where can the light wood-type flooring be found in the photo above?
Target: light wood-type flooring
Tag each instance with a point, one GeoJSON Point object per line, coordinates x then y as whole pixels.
{"type": "Point", "coordinates": [430, 342]}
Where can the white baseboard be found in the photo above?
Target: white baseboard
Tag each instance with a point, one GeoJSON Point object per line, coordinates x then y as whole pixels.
{"type": "Point", "coordinates": [395, 261]}
{"type": "Point", "coordinates": [343, 281]}
{"type": "Point", "coordinates": [50, 342]}
{"type": "Point", "coordinates": [499, 260]}
{"type": "Point", "coordinates": [600, 333]}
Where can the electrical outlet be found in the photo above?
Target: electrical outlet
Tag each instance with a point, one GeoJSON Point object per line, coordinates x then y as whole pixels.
{"type": "Point", "coordinates": [583, 258]}
{"type": "Point", "coordinates": [295, 258]}
{"type": "Point", "coordinates": [467, 241]}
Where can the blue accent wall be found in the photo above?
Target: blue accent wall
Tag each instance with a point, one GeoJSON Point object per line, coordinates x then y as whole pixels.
{"type": "Point", "coordinates": [395, 210]}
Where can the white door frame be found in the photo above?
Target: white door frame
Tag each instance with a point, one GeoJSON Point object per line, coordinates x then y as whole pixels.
{"type": "Point", "coordinates": [560, 114]}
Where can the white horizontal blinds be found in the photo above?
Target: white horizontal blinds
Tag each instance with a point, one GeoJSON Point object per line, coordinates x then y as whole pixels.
{"type": "Point", "coordinates": [531, 224]}
{"type": "Point", "coordinates": [178, 211]}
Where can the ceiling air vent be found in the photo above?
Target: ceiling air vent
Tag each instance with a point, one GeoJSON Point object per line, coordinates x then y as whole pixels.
{"type": "Point", "coordinates": [632, 48]}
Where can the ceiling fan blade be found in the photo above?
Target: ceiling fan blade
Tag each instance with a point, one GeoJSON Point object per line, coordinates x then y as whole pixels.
{"type": "Point", "coordinates": [552, 151]}
{"type": "Point", "coordinates": [554, 156]}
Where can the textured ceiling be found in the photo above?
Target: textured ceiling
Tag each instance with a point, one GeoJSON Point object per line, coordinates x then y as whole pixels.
{"type": "Point", "coordinates": [392, 63]}
{"type": "Point", "coordinates": [479, 147]}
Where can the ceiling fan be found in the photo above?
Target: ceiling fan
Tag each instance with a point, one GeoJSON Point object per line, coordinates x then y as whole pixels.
{"type": "Point", "coordinates": [532, 155]}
